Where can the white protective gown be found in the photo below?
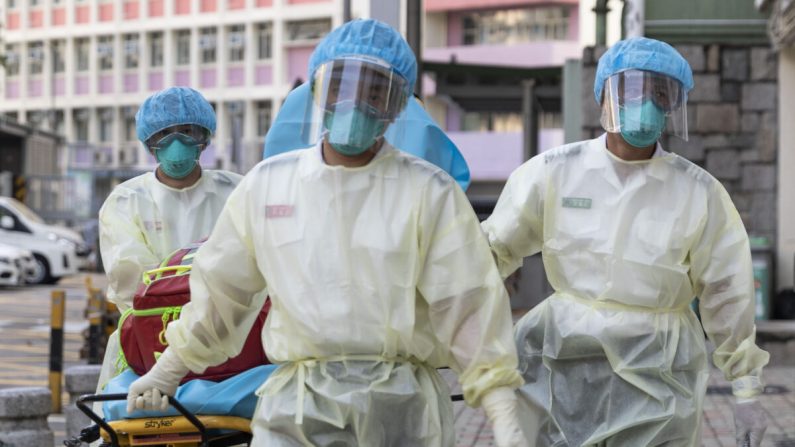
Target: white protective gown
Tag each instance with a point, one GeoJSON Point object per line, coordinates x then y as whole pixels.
{"type": "Point", "coordinates": [616, 356]}
{"type": "Point", "coordinates": [377, 275]}
{"type": "Point", "coordinates": [141, 222]}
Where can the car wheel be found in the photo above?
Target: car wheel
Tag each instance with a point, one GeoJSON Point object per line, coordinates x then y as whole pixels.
{"type": "Point", "coordinates": [41, 275]}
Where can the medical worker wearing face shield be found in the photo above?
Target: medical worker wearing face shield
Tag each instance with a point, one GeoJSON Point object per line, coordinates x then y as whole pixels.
{"type": "Point", "coordinates": [148, 217]}
{"type": "Point", "coordinates": [630, 234]}
{"type": "Point", "coordinates": [376, 268]}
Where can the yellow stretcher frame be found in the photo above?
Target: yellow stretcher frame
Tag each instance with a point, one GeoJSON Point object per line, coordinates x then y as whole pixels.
{"type": "Point", "coordinates": [172, 430]}
{"type": "Point", "coordinates": [188, 430]}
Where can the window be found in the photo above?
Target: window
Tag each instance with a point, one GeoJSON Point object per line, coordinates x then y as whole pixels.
{"type": "Point", "coordinates": [82, 48]}
{"type": "Point", "coordinates": [156, 49]}
{"type": "Point", "coordinates": [11, 116]}
{"type": "Point", "coordinates": [105, 52]}
{"type": "Point", "coordinates": [35, 57]}
{"type": "Point", "coordinates": [308, 29]}
{"type": "Point", "coordinates": [35, 2]}
{"type": "Point", "coordinates": [131, 51]}
{"type": "Point", "coordinates": [128, 112]}
{"type": "Point", "coordinates": [105, 116]}
{"type": "Point", "coordinates": [35, 118]}
{"type": "Point", "coordinates": [81, 124]}
{"type": "Point", "coordinates": [492, 122]}
{"type": "Point", "coordinates": [12, 60]}
{"type": "Point", "coordinates": [11, 4]}
{"type": "Point", "coordinates": [58, 50]}
{"type": "Point", "coordinates": [207, 45]}
{"type": "Point", "coordinates": [183, 47]}
{"type": "Point", "coordinates": [263, 117]}
{"type": "Point", "coordinates": [237, 43]}
{"type": "Point", "coordinates": [264, 41]}
{"type": "Point", "coordinates": [516, 25]}
{"type": "Point", "coordinates": [57, 122]}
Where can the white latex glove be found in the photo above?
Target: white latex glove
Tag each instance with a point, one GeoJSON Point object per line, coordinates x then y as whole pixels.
{"type": "Point", "coordinates": [500, 405]}
{"type": "Point", "coordinates": [750, 422]}
{"type": "Point", "coordinates": [151, 391]}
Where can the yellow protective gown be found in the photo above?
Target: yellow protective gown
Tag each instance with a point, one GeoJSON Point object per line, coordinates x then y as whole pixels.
{"type": "Point", "coordinates": [141, 222]}
{"type": "Point", "coordinates": [616, 356]}
{"type": "Point", "coordinates": [377, 275]}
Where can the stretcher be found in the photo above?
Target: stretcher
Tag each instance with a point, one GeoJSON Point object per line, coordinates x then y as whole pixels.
{"type": "Point", "coordinates": [186, 424]}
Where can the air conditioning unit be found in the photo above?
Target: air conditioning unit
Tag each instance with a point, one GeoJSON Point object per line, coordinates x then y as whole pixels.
{"type": "Point", "coordinates": [236, 40]}
{"type": "Point", "coordinates": [36, 53]}
{"type": "Point", "coordinates": [102, 158]}
{"type": "Point", "coordinates": [207, 42]}
{"type": "Point", "coordinates": [105, 49]}
{"type": "Point", "coordinates": [128, 155]}
{"type": "Point", "coordinates": [130, 46]}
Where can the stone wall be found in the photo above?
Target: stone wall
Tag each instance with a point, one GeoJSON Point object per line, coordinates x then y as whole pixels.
{"type": "Point", "coordinates": [732, 123]}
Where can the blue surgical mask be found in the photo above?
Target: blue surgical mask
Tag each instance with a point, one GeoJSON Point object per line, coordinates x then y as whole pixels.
{"type": "Point", "coordinates": [352, 131]}
{"type": "Point", "coordinates": [178, 158]}
{"type": "Point", "coordinates": [642, 124]}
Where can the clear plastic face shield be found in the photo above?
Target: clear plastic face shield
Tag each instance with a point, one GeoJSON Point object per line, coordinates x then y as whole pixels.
{"type": "Point", "coordinates": [641, 105]}
{"type": "Point", "coordinates": [354, 101]}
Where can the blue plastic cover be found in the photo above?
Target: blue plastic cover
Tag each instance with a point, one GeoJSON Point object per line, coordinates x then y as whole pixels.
{"type": "Point", "coordinates": [231, 397]}
{"type": "Point", "coordinates": [421, 135]}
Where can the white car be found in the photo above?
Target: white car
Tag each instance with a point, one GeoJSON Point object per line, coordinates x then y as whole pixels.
{"type": "Point", "coordinates": [57, 251]}
{"type": "Point", "coordinates": [28, 267]}
{"type": "Point", "coordinates": [10, 267]}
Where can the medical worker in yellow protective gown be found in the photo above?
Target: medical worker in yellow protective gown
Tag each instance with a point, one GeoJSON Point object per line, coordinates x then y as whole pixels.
{"type": "Point", "coordinates": [376, 267]}
{"type": "Point", "coordinates": [149, 216]}
{"type": "Point", "coordinates": [630, 234]}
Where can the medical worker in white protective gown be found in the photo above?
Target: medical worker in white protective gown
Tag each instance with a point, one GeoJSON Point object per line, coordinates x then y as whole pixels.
{"type": "Point", "coordinates": [630, 234]}
{"type": "Point", "coordinates": [376, 267]}
{"type": "Point", "coordinates": [150, 216]}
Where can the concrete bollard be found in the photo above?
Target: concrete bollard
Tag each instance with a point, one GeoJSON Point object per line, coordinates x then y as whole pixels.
{"type": "Point", "coordinates": [79, 380]}
{"type": "Point", "coordinates": [23, 417]}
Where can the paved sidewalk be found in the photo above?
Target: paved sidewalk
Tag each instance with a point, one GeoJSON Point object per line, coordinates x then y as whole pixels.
{"type": "Point", "coordinates": [718, 429]}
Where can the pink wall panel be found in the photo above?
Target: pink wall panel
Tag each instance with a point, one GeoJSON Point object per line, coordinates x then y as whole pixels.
{"type": "Point", "coordinates": [235, 76]}
{"type": "Point", "coordinates": [59, 86]}
{"type": "Point", "coordinates": [207, 77]}
{"type": "Point", "coordinates": [106, 83]}
{"type": "Point", "coordinates": [58, 16]}
{"type": "Point", "coordinates": [82, 14]}
{"type": "Point", "coordinates": [263, 74]}
{"type": "Point", "coordinates": [105, 12]}
{"type": "Point", "coordinates": [264, 3]}
{"type": "Point", "coordinates": [81, 85]}
{"type": "Point", "coordinates": [12, 20]}
{"type": "Point", "coordinates": [155, 8]}
{"type": "Point", "coordinates": [131, 10]}
{"type": "Point", "coordinates": [208, 5]}
{"type": "Point", "coordinates": [452, 5]}
{"type": "Point", "coordinates": [298, 2]}
{"type": "Point", "coordinates": [34, 88]}
{"type": "Point", "coordinates": [298, 63]}
{"type": "Point", "coordinates": [36, 18]}
{"type": "Point", "coordinates": [182, 78]}
{"type": "Point", "coordinates": [236, 4]}
{"type": "Point", "coordinates": [155, 81]}
{"type": "Point", "coordinates": [455, 29]}
{"type": "Point", "coordinates": [12, 89]}
{"type": "Point", "coordinates": [130, 82]}
{"type": "Point", "coordinates": [182, 7]}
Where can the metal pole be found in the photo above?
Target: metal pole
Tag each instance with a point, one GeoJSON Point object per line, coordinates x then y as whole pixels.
{"type": "Point", "coordinates": [346, 11]}
{"type": "Point", "coordinates": [529, 114]}
{"type": "Point", "coordinates": [414, 37]}
{"type": "Point", "coordinates": [601, 11]}
{"type": "Point", "coordinates": [58, 299]}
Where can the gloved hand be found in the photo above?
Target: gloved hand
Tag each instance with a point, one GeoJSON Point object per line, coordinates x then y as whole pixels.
{"type": "Point", "coordinates": [500, 406]}
{"type": "Point", "coordinates": [151, 391]}
{"type": "Point", "coordinates": [750, 422]}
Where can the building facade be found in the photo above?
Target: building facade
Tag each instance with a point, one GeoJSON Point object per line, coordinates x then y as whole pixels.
{"type": "Point", "coordinates": [81, 68]}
